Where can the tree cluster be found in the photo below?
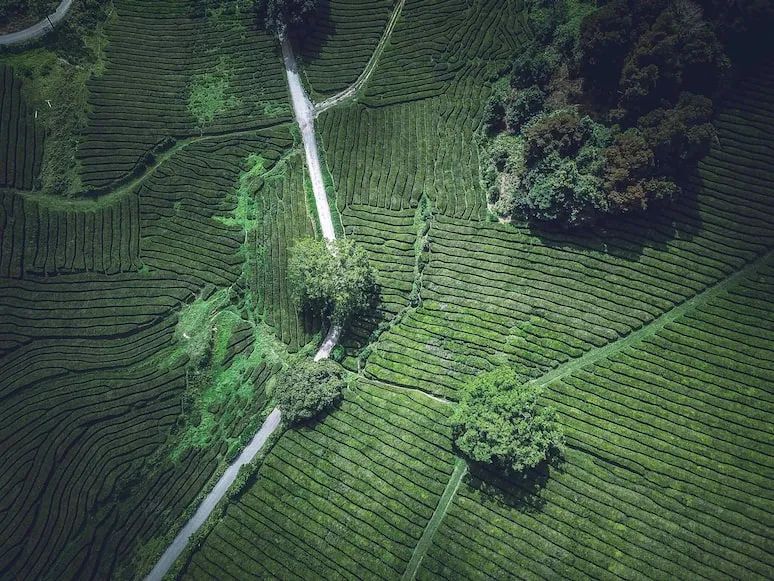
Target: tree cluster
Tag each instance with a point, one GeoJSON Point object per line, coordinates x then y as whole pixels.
{"type": "Point", "coordinates": [332, 278]}
{"type": "Point", "coordinates": [282, 16]}
{"type": "Point", "coordinates": [36, 8]}
{"type": "Point", "coordinates": [500, 422]}
{"type": "Point", "coordinates": [307, 388]}
{"type": "Point", "coordinates": [604, 112]}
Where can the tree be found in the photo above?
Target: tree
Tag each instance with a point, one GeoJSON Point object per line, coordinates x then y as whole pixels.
{"type": "Point", "coordinates": [500, 422]}
{"type": "Point", "coordinates": [280, 16]}
{"type": "Point", "coordinates": [334, 278]}
{"type": "Point", "coordinates": [307, 388]}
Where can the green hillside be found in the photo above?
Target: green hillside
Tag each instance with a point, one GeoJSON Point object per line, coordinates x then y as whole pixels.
{"type": "Point", "coordinates": [154, 179]}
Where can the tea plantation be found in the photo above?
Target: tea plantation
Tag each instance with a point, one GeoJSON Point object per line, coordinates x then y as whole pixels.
{"type": "Point", "coordinates": [146, 309]}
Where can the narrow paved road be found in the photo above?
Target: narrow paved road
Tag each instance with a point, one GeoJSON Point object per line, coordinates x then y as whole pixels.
{"type": "Point", "coordinates": [39, 29]}
{"type": "Point", "coordinates": [304, 113]}
{"type": "Point", "coordinates": [175, 549]}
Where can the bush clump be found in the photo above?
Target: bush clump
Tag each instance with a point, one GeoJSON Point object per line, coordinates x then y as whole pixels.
{"type": "Point", "coordinates": [610, 106]}
{"type": "Point", "coordinates": [334, 278]}
{"type": "Point", "coordinates": [307, 388]}
{"type": "Point", "coordinates": [500, 422]}
{"type": "Point", "coordinates": [282, 16]}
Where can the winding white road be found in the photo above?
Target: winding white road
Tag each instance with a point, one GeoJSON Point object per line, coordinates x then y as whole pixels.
{"type": "Point", "coordinates": [38, 29]}
{"type": "Point", "coordinates": [176, 548]}
{"type": "Point", "coordinates": [305, 113]}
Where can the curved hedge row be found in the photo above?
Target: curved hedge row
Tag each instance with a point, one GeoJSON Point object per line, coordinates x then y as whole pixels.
{"type": "Point", "coordinates": [282, 219]}
{"type": "Point", "coordinates": [390, 240]}
{"type": "Point", "coordinates": [21, 138]}
{"type": "Point", "coordinates": [349, 497]}
{"type": "Point", "coordinates": [438, 45]}
{"type": "Point", "coordinates": [91, 401]}
{"type": "Point", "coordinates": [158, 52]}
{"type": "Point", "coordinates": [43, 239]}
{"type": "Point", "coordinates": [668, 472]}
{"type": "Point", "coordinates": [389, 157]}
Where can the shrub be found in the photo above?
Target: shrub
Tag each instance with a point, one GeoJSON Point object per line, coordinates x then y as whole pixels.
{"type": "Point", "coordinates": [523, 107]}
{"type": "Point", "coordinates": [307, 388]}
{"type": "Point", "coordinates": [334, 278]}
{"type": "Point", "coordinates": [500, 422]}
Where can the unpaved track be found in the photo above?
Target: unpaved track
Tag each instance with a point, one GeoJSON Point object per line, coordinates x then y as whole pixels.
{"type": "Point", "coordinates": [175, 549]}
{"type": "Point", "coordinates": [355, 87]}
{"type": "Point", "coordinates": [39, 29]}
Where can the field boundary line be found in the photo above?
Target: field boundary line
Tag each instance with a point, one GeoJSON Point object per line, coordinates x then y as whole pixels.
{"type": "Point", "coordinates": [409, 389]}
{"type": "Point", "coordinates": [101, 197]}
{"type": "Point", "coordinates": [654, 326]}
{"type": "Point", "coordinates": [370, 67]}
{"type": "Point", "coordinates": [460, 469]}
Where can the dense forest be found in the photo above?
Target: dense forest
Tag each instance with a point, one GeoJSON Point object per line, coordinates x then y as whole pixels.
{"type": "Point", "coordinates": [612, 105]}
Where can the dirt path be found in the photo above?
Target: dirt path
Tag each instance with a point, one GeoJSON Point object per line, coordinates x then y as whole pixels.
{"type": "Point", "coordinates": [355, 87]}
{"type": "Point", "coordinates": [176, 548]}
{"type": "Point", "coordinates": [42, 28]}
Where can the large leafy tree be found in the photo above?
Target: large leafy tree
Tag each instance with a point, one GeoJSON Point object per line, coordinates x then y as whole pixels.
{"type": "Point", "coordinates": [280, 16]}
{"type": "Point", "coordinates": [307, 388]}
{"type": "Point", "coordinates": [499, 421]}
{"type": "Point", "coordinates": [334, 278]}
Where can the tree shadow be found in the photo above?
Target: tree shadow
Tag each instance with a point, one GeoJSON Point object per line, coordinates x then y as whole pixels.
{"type": "Point", "coordinates": [365, 329]}
{"type": "Point", "coordinates": [627, 237]}
{"type": "Point", "coordinates": [310, 37]}
{"type": "Point", "coordinates": [522, 492]}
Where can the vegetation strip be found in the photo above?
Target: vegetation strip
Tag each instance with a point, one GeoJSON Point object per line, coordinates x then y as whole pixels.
{"type": "Point", "coordinates": [460, 468]}
{"type": "Point", "coordinates": [656, 326]}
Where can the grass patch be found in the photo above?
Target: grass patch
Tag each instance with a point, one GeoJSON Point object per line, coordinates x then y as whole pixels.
{"type": "Point", "coordinates": [209, 94]}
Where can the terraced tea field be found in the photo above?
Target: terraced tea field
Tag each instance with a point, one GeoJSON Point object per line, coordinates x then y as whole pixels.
{"type": "Point", "coordinates": [21, 138]}
{"type": "Point", "coordinates": [142, 319]}
{"type": "Point", "coordinates": [347, 498]}
{"type": "Point", "coordinates": [670, 458]}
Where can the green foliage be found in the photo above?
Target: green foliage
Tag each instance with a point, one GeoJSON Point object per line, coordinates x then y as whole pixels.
{"type": "Point", "coordinates": [219, 387]}
{"type": "Point", "coordinates": [209, 94]}
{"type": "Point", "coordinates": [552, 171]}
{"type": "Point", "coordinates": [333, 278]}
{"type": "Point", "coordinates": [55, 86]}
{"type": "Point", "coordinates": [194, 330]}
{"type": "Point", "coordinates": [642, 72]}
{"type": "Point", "coordinates": [307, 388]}
{"type": "Point", "coordinates": [500, 422]}
{"type": "Point", "coordinates": [30, 8]}
{"type": "Point", "coordinates": [281, 16]}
